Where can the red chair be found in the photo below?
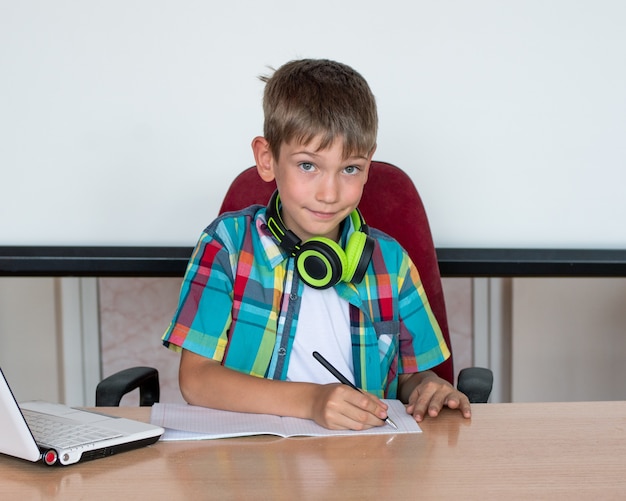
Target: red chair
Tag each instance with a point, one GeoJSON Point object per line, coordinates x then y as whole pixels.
{"type": "Point", "coordinates": [391, 203]}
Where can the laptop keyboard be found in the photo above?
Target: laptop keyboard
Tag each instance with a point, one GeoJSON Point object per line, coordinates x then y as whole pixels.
{"type": "Point", "coordinates": [63, 433]}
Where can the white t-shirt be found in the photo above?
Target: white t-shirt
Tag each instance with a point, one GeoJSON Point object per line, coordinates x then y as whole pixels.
{"type": "Point", "coordinates": [323, 326]}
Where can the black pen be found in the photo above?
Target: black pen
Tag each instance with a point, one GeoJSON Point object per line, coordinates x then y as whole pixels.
{"type": "Point", "coordinates": [343, 379]}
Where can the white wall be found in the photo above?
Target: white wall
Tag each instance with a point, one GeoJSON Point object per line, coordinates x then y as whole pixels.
{"type": "Point", "coordinates": [29, 337]}
{"type": "Point", "coordinates": [569, 339]}
{"type": "Point", "coordinates": [49, 338]}
{"type": "Point", "coordinates": [123, 121]}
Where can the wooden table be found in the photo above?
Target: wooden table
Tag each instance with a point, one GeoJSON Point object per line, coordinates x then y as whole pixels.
{"type": "Point", "coordinates": [506, 451]}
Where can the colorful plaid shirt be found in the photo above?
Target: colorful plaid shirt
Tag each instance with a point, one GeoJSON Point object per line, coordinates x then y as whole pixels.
{"type": "Point", "coordinates": [240, 299]}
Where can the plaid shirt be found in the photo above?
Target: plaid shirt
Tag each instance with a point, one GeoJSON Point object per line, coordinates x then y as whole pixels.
{"type": "Point", "coordinates": [240, 299]}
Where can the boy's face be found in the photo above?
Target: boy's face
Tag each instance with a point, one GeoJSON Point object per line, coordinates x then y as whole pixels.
{"type": "Point", "coordinates": [318, 188]}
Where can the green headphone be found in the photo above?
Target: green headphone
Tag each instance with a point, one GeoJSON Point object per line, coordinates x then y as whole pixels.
{"type": "Point", "coordinates": [321, 262]}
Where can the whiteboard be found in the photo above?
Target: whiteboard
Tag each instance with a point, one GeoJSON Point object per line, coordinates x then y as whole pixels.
{"type": "Point", "coordinates": [123, 122]}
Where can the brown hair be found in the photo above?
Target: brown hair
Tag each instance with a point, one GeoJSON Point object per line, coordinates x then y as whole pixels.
{"type": "Point", "coordinates": [311, 98]}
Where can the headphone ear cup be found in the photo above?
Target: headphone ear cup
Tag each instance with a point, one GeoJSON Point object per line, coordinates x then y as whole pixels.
{"type": "Point", "coordinates": [358, 255]}
{"type": "Point", "coordinates": [321, 262]}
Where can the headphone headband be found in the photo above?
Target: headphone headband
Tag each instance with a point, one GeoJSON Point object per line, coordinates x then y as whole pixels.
{"type": "Point", "coordinates": [287, 239]}
{"type": "Point", "coordinates": [320, 261]}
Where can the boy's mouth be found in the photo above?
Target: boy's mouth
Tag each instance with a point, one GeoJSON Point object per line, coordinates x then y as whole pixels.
{"type": "Point", "coordinates": [323, 215]}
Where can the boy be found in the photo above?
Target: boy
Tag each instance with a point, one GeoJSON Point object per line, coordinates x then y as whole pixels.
{"type": "Point", "coordinates": [266, 287]}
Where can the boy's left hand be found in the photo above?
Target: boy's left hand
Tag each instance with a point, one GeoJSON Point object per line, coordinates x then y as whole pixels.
{"type": "Point", "coordinates": [429, 394]}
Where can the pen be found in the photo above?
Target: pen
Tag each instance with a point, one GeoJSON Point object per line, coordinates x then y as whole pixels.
{"type": "Point", "coordinates": [343, 379]}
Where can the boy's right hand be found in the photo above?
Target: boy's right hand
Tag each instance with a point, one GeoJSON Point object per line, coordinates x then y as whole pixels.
{"type": "Point", "coordinates": [339, 407]}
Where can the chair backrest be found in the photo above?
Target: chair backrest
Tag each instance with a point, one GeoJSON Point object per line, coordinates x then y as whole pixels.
{"type": "Point", "coordinates": [391, 203]}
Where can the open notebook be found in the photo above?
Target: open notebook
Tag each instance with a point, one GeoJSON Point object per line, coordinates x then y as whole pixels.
{"type": "Point", "coordinates": [58, 434]}
{"type": "Point", "coordinates": [188, 422]}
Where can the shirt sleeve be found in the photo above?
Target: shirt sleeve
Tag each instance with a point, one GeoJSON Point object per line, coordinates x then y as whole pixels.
{"type": "Point", "coordinates": [422, 345]}
{"type": "Point", "coordinates": [203, 315]}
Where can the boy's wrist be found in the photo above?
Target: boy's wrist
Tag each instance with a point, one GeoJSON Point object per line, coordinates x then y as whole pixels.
{"type": "Point", "coordinates": [309, 398]}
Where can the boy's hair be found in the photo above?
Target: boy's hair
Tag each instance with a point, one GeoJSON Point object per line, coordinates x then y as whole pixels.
{"type": "Point", "coordinates": [317, 98]}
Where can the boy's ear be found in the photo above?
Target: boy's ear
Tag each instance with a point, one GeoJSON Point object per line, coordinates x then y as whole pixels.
{"type": "Point", "coordinates": [263, 158]}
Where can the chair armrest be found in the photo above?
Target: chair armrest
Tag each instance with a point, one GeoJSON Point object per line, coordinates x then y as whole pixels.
{"type": "Point", "coordinates": [110, 390]}
{"type": "Point", "coordinates": [476, 383]}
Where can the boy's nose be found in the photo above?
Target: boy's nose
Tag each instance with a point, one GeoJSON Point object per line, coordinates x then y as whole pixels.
{"type": "Point", "coordinates": [327, 190]}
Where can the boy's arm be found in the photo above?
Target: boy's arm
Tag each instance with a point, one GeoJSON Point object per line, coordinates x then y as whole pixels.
{"type": "Point", "coordinates": [207, 383]}
{"type": "Point", "coordinates": [426, 393]}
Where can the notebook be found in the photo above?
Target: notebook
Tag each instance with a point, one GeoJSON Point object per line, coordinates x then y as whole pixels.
{"type": "Point", "coordinates": [60, 435]}
{"type": "Point", "coordinates": [189, 422]}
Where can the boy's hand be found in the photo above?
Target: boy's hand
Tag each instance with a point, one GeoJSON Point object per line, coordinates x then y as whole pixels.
{"type": "Point", "coordinates": [429, 393]}
{"type": "Point", "coordinates": [338, 407]}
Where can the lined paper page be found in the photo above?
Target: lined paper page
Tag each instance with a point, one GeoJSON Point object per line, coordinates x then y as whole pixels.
{"type": "Point", "coordinates": [187, 422]}
{"type": "Point", "coordinates": [214, 423]}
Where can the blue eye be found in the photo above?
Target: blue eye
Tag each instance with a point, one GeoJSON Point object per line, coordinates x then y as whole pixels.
{"type": "Point", "coordinates": [351, 169]}
{"type": "Point", "coordinates": [306, 166]}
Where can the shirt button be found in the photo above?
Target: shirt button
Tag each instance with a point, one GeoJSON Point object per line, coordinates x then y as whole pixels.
{"type": "Point", "coordinates": [293, 296]}
{"type": "Point", "coordinates": [282, 352]}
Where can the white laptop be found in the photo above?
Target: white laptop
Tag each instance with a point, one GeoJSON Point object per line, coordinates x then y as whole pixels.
{"type": "Point", "coordinates": [61, 435]}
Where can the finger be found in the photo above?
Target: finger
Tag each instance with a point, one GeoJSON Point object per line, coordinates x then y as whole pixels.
{"type": "Point", "coordinates": [460, 402]}
{"type": "Point", "coordinates": [359, 410]}
{"type": "Point", "coordinates": [453, 400]}
{"type": "Point", "coordinates": [436, 403]}
{"type": "Point", "coordinates": [362, 420]}
{"type": "Point", "coordinates": [372, 404]}
{"type": "Point", "coordinates": [420, 403]}
{"type": "Point", "coordinates": [354, 417]}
